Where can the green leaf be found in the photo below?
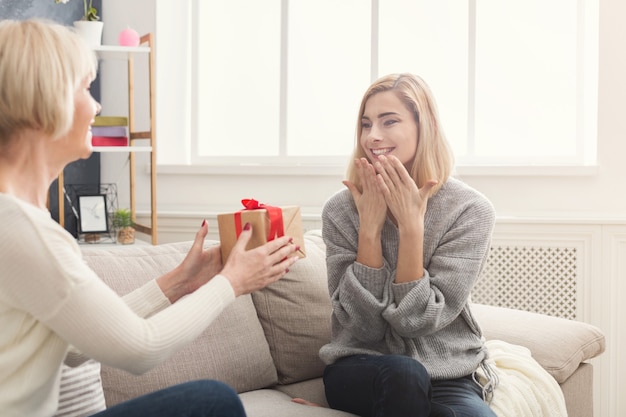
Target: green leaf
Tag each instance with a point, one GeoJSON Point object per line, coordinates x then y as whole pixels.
{"type": "Point", "coordinates": [92, 14]}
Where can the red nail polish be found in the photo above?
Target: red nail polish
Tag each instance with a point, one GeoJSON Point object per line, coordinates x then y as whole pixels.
{"type": "Point", "coordinates": [203, 223]}
{"type": "Point", "coordinates": [297, 248]}
{"type": "Point", "coordinates": [247, 226]}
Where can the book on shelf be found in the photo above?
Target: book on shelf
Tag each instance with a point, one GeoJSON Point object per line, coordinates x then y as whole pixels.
{"type": "Point", "coordinates": [114, 131]}
{"type": "Point", "coordinates": [110, 121]}
{"type": "Point", "coordinates": [109, 140]}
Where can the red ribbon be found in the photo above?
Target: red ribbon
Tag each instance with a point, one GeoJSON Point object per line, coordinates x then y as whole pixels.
{"type": "Point", "coordinates": [275, 214]}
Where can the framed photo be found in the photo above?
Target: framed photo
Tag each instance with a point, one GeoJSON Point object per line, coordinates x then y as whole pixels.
{"type": "Point", "coordinates": [92, 213]}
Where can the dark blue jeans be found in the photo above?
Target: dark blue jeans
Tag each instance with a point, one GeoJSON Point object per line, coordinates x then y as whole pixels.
{"type": "Point", "coordinates": [399, 386]}
{"type": "Point", "coordinates": [203, 398]}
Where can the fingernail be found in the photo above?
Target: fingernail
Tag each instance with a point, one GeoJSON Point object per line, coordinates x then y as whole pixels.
{"type": "Point", "coordinates": [287, 270]}
{"type": "Point", "coordinates": [203, 223]}
{"type": "Point", "coordinates": [290, 240]}
{"type": "Point", "coordinates": [297, 248]}
{"type": "Point", "coordinates": [247, 226]}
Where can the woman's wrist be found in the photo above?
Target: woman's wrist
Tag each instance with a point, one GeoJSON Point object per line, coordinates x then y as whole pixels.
{"type": "Point", "coordinates": [370, 252]}
{"type": "Point", "coordinates": [172, 286]}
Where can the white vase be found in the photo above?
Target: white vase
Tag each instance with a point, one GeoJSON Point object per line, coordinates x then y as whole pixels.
{"type": "Point", "coordinates": [90, 31]}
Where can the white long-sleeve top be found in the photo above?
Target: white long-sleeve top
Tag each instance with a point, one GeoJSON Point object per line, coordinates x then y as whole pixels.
{"type": "Point", "coordinates": [50, 299]}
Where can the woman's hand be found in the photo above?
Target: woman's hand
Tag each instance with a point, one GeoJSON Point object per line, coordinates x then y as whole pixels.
{"type": "Point", "coordinates": [370, 202]}
{"type": "Point", "coordinates": [406, 202]}
{"type": "Point", "coordinates": [251, 270]}
{"type": "Point", "coordinates": [198, 267]}
{"type": "Point", "coordinates": [407, 205]}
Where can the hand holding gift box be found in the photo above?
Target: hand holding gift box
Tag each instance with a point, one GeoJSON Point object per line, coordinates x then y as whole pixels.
{"type": "Point", "coordinates": [268, 223]}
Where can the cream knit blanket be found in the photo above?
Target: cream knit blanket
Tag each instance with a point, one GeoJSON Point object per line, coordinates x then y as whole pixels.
{"type": "Point", "coordinates": [525, 389]}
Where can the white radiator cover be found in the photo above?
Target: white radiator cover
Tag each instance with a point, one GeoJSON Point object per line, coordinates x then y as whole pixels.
{"type": "Point", "coordinates": [541, 279]}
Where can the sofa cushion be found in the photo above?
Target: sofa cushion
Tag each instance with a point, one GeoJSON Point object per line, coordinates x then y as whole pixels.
{"type": "Point", "coordinates": [273, 403]}
{"type": "Point", "coordinates": [295, 314]}
{"type": "Point", "coordinates": [310, 390]}
{"type": "Point", "coordinates": [233, 349]}
{"type": "Point", "coordinates": [559, 345]}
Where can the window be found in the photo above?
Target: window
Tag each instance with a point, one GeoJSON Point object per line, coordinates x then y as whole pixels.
{"type": "Point", "coordinates": [279, 81]}
{"type": "Point", "coordinates": [291, 82]}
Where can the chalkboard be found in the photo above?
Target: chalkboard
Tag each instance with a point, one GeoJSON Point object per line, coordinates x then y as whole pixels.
{"type": "Point", "coordinates": [80, 172]}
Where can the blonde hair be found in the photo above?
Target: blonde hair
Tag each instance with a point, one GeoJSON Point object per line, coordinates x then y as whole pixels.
{"type": "Point", "coordinates": [42, 64]}
{"type": "Point", "coordinates": [433, 156]}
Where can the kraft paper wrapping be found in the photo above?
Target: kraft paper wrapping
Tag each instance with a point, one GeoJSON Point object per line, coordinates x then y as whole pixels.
{"type": "Point", "coordinates": [260, 221]}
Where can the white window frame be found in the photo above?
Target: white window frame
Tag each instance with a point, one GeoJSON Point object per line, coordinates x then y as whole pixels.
{"type": "Point", "coordinates": [181, 159]}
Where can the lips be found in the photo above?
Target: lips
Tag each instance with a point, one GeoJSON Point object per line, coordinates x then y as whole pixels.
{"type": "Point", "coordinates": [381, 151]}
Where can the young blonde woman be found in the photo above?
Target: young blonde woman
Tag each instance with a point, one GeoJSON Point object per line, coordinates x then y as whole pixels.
{"type": "Point", "coordinates": [49, 299]}
{"type": "Point", "coordinates": [405, 244]}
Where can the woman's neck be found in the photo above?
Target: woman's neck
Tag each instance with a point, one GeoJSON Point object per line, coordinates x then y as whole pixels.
{"type": "Point", "coordinates": [26, 169]}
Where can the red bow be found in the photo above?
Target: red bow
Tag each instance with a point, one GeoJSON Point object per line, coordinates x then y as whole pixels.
{"type": "Point", "coordinates": [275, 214]}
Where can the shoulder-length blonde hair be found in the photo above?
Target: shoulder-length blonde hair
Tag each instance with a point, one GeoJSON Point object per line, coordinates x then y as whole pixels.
{"type": "Point", "coordinates": [41, 66]}
{"type": "Point", "coordinates": [433, 156]}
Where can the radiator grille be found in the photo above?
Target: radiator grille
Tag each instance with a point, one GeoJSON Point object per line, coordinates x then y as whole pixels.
{"type": "Point", "coordinates": [538, 279]}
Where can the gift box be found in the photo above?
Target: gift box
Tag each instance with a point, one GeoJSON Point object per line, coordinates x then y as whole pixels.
{"type": "Point", "coordinates": [268, 223]}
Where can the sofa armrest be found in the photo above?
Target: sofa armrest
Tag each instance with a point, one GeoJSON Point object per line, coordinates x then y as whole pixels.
{"type": "Point", "coordinates": [559, 345]}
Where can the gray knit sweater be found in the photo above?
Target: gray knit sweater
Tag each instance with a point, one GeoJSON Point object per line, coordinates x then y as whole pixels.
{"type": "Point", "coordinates": [428, 319]}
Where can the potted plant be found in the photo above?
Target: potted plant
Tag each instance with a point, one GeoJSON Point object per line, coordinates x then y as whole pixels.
{"type": "Point", "coordinates": [122, 223]}
{"type": "Point", "coordinates": [89, 26]}
{"type": "Point", "coordinates": [90, 13]}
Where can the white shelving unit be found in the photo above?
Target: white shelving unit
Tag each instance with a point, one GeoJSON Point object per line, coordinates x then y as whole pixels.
{"type": "Point", "coordinates": [139, 141]}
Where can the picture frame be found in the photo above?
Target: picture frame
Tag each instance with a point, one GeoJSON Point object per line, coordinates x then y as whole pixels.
{"type": "Point", "coordinates": [93, 213]}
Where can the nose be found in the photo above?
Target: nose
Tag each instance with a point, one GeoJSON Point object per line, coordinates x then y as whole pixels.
{"type": "Point", "coordinates": [375, 134]}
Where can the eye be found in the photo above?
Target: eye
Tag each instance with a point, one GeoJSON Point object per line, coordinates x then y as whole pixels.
{"type": "Point", "coordinates": [390, 122]}
{"type": "Point", "coordinates": [365, 124]}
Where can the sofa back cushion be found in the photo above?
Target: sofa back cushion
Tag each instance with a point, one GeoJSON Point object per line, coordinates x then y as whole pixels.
{"type": "Point", "coordinates": [233, 349]}
{"type": "Point", "coordinates": [295, 314]}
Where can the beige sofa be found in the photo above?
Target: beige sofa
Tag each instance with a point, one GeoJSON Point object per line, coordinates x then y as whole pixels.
{"type": "Point", "coordinates": [266, 344]}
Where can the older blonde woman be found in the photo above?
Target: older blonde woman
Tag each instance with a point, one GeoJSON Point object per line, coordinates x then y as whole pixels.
{"type": "Point", "coordinates": [49, 299]}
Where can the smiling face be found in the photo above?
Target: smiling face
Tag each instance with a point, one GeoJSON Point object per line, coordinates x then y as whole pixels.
{"type": "Point", "coordinates": [388, 128]}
